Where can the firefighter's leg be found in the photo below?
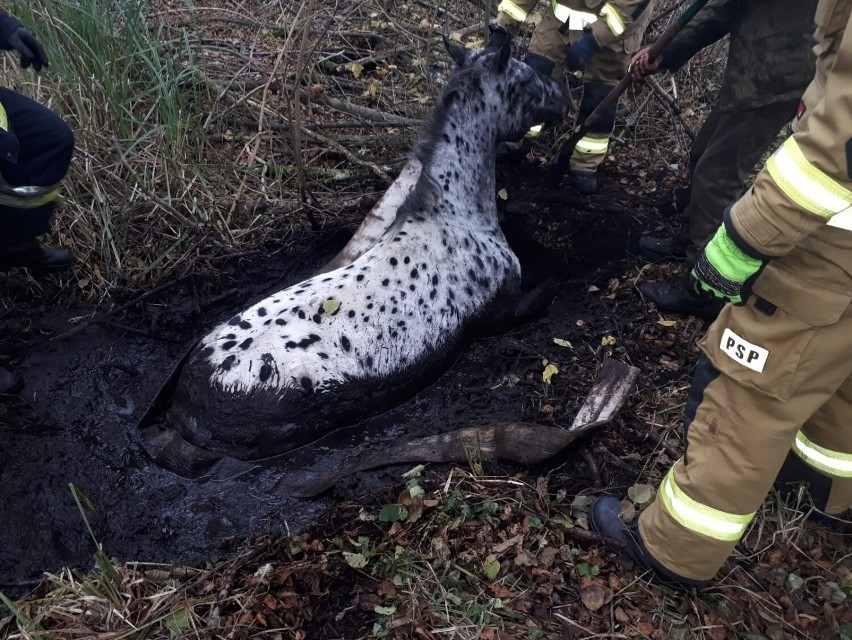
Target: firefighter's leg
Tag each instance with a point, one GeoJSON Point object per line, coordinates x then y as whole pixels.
{"type": "Point", "coordinates": [738, 140]}
{"type": "Point", "coordinates": [545, 54]}
{"type": "Point", "coordinates": [603, 72]}
{"type": "Point", "coordinates": [764, 374]}
{"type": "Point", "coordinates": [821, 456]}
{"type": "Point", "coordinates": [46, 144]}
{"type": "Point", "coordinates": [511, 14]}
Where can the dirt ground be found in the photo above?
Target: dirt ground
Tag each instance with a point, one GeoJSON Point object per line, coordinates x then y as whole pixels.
{"type": "Point", "coordinates": [75, 421]}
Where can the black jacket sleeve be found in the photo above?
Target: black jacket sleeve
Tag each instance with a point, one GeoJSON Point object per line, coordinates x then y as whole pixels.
{"type": "Point", "coordinates": [712, 23]}
{"type": "Point", "coordinates": [8, 26]}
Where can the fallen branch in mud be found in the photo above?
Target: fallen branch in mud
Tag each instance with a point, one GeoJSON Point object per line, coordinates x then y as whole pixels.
{"type": "Point", "coordinates": [522, 442]}
{"type": "Point", "coordinates": [670, 102]}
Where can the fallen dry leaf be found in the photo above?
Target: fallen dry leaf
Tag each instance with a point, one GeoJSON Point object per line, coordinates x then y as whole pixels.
{"type": "Point", "coordinates": [595, 595]}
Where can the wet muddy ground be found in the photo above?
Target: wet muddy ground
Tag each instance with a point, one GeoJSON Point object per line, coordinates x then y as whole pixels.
{"type": "Point", "coordinates": [76, 419]}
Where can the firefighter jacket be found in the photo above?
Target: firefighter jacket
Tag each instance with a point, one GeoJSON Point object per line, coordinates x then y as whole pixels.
{"type": "Point", "coordinates": [609, 21]}
{"type": "Point", "coordinates": [769, 57]}
{"type": "Point", "coordinates": [800, 207]}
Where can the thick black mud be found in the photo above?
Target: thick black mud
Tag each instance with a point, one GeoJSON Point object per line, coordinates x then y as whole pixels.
{"type": "Point", "coordinates": [86, 393]}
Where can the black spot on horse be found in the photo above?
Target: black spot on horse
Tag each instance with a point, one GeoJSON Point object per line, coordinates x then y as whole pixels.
{"type": "Point", "coordinates": [323, 355]}
{"type": "Point", "coordinates": [393, 262]}
{"type": "Point", "coordinates": [344, 342]}
{"type": "Point", "coordinates": [261, 311]}
{"type": "Point", "coordinates": [302, 315]}
{"type": "Point", "coordinates": [317, 318]}
{"type": "Point", "coordinates": [265, 372]}
{"type": "Point", "coordinates": [227, 362]}
{"type": "Point", "coordinates": [385, 282]}
{"type": "Point", "coordinates": [245, 324]}
{"type": "Point", "coordinates": [280, 322]}
{"type": "Point", "coordinates": [414, 273]}
{"type": "Point", "coordinates": [351, 313]}
{"type": "Point", "coordinates": [235, 321]}
{"type": "Point", "coordinates": [245, 344]}
{"type": "Point", "coordinates": [359, 277]}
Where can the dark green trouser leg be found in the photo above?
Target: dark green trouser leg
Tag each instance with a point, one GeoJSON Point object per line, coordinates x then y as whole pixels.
{"type": "Point", "coordinates": [723, 156]}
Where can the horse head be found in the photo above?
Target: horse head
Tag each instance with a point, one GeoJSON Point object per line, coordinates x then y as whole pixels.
{"type": "Point", "coordinates": [511, 94]}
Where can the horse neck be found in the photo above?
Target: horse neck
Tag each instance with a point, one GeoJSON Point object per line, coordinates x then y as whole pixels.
{"type": "Point", "coordinates": [462, 160]}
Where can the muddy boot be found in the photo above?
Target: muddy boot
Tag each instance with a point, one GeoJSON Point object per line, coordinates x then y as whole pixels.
{"type": "Point", "coordinates": [604, 519]}
{"type": "Point", "coordinates": [680, 299]}
{"type": "Point", "coordinates": [796, 473]}
{"type": "Point", "coordinates": [586, 182]}
{"type": "Point", "coordinates": [36, 258]}
{"type": "Point", "coordinates": [664, 249]}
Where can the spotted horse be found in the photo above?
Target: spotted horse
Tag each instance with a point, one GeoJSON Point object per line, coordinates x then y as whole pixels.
{"type": "Point", "coordinates": [344, 343]}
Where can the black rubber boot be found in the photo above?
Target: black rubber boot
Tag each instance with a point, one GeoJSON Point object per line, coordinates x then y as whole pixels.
{"type": "Point", "coordinates": [604, 519]}
{"type": "Point", "coordinates": [36, 258]}
{"type": "Point", "coordinates": [795, 473]}
{"type": "Point", "coordinates": [664, 249]}
{"type": "Point", "coordinates": [586, 182]}
{"type": "Point", "coordinates": [679, 298]}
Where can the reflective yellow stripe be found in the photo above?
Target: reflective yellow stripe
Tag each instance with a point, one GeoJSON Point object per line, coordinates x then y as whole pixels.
{"type": "Point", "coordinates": [806, 185]}
{"type": "Point", "coordinates": [512, 10]}
{"type": "Point", "coordinates": [613, 19]}
{"type": "Point", "coordinates": [699, 517]}
{"type": "Point", "coordinates": [28, 203]}
{"type": "Point", "coordinates": [535, 131]}
{"type": "Point", "coordinates": [833, 463]}
{"type": "Point", "coordinates": [4, 119]}
{"type": "Point", "coordinates": [576, 19]}
{"type": "Point", "coordinates": [594, 146]}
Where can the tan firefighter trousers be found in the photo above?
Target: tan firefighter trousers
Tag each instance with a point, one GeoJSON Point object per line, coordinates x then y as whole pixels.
{"type": "Point", "coordinates": [775, 377]}
{"type": "Point", "coordinates": [605, 69]}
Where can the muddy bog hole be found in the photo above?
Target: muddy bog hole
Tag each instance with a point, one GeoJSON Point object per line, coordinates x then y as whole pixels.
{"type": "Point", "coordinates": [76, 419]}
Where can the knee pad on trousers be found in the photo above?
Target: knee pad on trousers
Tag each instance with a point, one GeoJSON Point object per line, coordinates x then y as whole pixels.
{"type": "Point", "coordinates": [540, 64]}
{"type": "Point", "coordinates": [705, 373]}
{"type": "Point", "coordinates": [593, 95]}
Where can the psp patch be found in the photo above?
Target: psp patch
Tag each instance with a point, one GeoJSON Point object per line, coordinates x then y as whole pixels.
{"type": "Point", "coordinates": [742, 351]}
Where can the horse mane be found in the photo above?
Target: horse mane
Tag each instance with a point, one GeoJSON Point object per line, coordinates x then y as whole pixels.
{"type": "Point", "coordinates": [426, 190]}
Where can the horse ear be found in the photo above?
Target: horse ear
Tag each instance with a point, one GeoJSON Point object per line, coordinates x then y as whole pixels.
{"type": "Point", "coordinates": [503, 56]}
{"type": "Point", "coordinates": [457, 52]}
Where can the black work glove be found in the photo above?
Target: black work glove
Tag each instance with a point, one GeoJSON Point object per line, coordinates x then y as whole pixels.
{"type": "Point", "coordinates": [13, 37]}
{"type": "Point", "coordinates": [580, 52]}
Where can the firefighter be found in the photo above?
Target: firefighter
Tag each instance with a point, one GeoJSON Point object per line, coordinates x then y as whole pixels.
{"type": "Point", "coordinates": [772, 390]}
{"type": "Point", "coordinates": [595, 37]}
{"type": "Point", "coordinates": [770, 64]}
{"type": "Point", "coordinates": [35, 152]}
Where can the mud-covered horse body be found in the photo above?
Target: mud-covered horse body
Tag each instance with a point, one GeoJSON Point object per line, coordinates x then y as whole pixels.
{"type": "Point", "coordinates": [330, 349]}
